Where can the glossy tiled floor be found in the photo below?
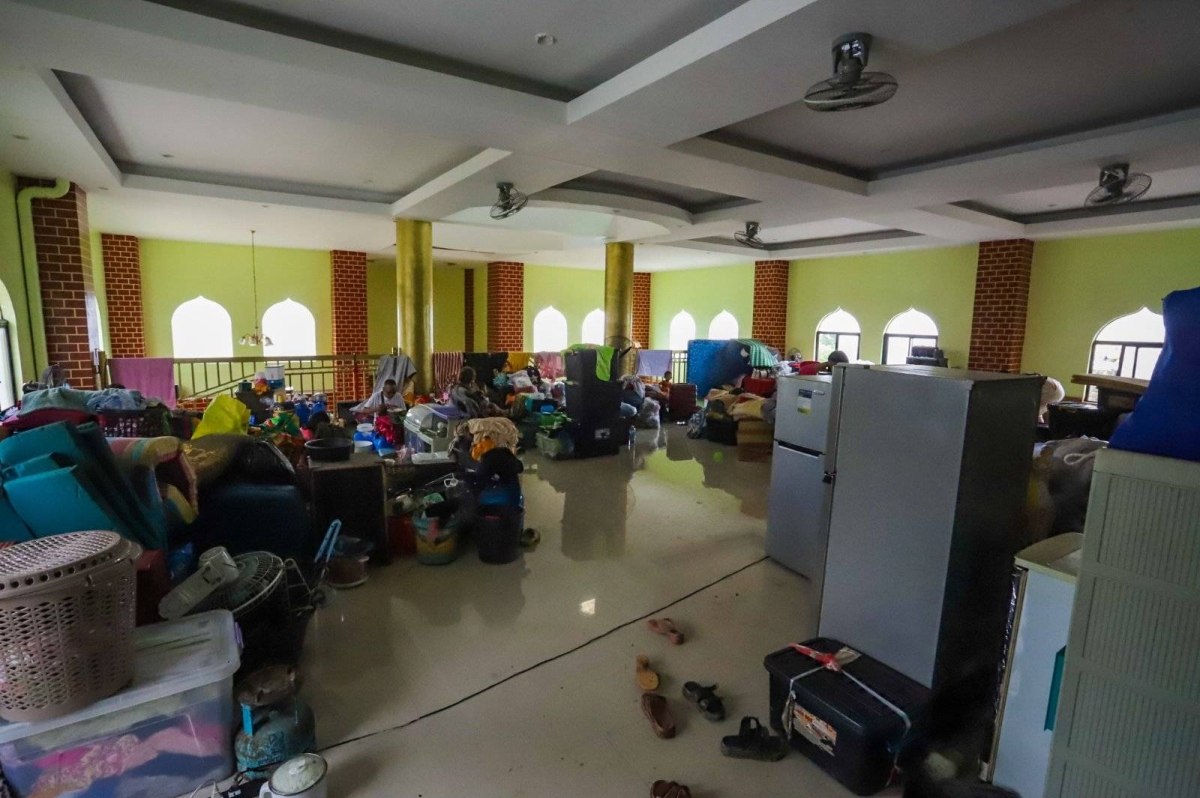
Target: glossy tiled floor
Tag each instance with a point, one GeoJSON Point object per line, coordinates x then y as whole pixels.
{"type": "Point", "coordinates": [477, 680]}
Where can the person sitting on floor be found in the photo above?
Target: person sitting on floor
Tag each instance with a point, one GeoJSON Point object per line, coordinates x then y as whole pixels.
{"type": "Point", "coordinates": [384, 400]}
{"type": "Point", "coordinates": [467, 397]}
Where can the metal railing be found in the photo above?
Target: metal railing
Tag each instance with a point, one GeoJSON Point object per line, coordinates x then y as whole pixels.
{"type": "Point", "coordinates": [205, 378]}
{"type": "Point", "coordinates": [679, 363]}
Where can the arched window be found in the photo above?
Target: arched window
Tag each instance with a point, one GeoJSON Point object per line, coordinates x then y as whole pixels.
{"type": "Point", "coordinates": [201, 328]}
{"type": "Point", "coordinates": [724, 325]}
{"type": "Point", "coordinates": [593, 327]}
{"type": "Point", "coordinates": [911, 328]}
{"type": "Point", "coordinates": [549, 331]}
{"type": "Point", "coordinates": [1127, 346]}
{"type": "Point", "coordinates": [683, 329]}
{"type": "Point", "coordinates": [838, 331]}
{"type": "Point", "coordinates": [292, 330]}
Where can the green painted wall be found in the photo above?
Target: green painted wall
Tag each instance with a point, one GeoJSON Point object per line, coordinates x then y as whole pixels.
{"type": "Point", "coordinates": [574, 292]}
{"type": "Point", "coordinates": [875, 288]}
{"type": "Point", "coordinates": [383, 331]}
{"type": "Point", "coordinates": [176, 271]}
{"type": "Point", "coordinates": [13, 307]}
{"type": "Point", "coordinates": [1079, 285]}
{"type": "Point", "coordinates": [481, 308]}
{"type": "Point", "coordinates": [703, 293]}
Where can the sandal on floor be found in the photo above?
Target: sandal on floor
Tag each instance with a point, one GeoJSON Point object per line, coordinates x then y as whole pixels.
{"type": "Point", "coordinates": [706, 700]}
{"type": "Point", "coordinates": [655, 708]}
{"type": "Point", "coordinates": [669, 789]}
{"type": "Point", "coordinates": [647, 679]}
{"type": "Point", "coordinates": [667, 628]}
{"type": "Point", "coordinates": [754, 741]}
{"type": "Point", "coordinates": [530, 538]}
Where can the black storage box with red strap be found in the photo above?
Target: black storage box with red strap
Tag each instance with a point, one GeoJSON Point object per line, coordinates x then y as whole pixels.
{"type": "Point", "coordinates": [850, 733]}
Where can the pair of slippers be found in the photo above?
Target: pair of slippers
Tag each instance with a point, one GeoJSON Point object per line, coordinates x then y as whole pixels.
{"type": "Point", "coordinates": [658, 711]}
{"type": "Point", "coordinates": [754, 741]}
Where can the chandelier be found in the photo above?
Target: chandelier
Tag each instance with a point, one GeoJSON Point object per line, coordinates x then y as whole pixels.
{"type": "Point", "coordinates": [255, 338]}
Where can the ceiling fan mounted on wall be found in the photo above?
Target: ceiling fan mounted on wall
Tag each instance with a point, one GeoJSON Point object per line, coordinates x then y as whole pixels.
{"type": "Point", "coordinates": [851, 88]}
{"type": "Point", "coordinates": [1117, 186]}
{"type": "Point", "coordinates": [749, 236]}
{"type": "Point", "coordinates": [509, 202]}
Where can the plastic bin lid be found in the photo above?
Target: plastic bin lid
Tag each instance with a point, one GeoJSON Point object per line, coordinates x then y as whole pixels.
{"type": "Point", "coordinates": [1059, 556]}
{"type": "Point", "coordinates": [171, 658]}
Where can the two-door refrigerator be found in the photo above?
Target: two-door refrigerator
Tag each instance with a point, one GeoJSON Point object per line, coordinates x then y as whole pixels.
{"type": "Point", "coordinates": [801, 474]}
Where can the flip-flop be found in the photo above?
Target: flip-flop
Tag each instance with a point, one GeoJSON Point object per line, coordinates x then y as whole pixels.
{"type": "Point", "coordinates": [647, 679]}
{"type": "Point", "coordinates": [706, 700]}
{"type": "Point", "coordinates": [667, 628]}
{"type": "Point", "coordinates": [530, 538]}
{"type": "Point", "coordinates": [669, 789]}
{"type": "Point", "coordinates": [754, 741]}
{"type": "Point", "coordinates": [655, 708]}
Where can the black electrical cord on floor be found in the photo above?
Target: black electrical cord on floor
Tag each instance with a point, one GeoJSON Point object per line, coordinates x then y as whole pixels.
{"type": "Point", "coordinates": [546, 661]}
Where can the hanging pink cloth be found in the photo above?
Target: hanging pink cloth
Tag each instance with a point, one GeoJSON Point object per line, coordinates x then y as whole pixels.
{"type": "Point", "coordinates": [153, 376]}
{"type": "Point", "coordinates": [550, 364]}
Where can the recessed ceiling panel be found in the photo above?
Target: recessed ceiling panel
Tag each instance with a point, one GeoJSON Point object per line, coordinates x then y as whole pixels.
{"type": "Point", "coordinates": [593, 40]}
{"type": "Point", "coordinates": [580, 224]}
{"type": "Point", "coordinates": [1167, 183]}
{"type": "Point", "coordinates": [694, 200]}
{"type": "Point", "coordinates": [830, 228]}
{"type": "Point", "coordinates": [1093, 63]}
{"type": "Point", "coordinates": [164, 130]}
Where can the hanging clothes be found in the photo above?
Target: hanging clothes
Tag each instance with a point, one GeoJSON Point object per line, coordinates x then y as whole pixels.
{"type": "Point", "coordinates": [519, 361]}
{"type": "Point", "coordinates": [446, 366]}
{"type": "Point", "coordinates": [653, 362]}
{"type": "Point", "coordinates": [550, 364]}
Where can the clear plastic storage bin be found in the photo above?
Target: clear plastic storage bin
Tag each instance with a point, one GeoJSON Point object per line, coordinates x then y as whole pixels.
{"type": "Point", "coordinates": [165, 734]}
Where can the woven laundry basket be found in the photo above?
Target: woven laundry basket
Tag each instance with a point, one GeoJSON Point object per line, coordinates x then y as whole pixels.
{"type": "Point", "coordinates": [66, 623]}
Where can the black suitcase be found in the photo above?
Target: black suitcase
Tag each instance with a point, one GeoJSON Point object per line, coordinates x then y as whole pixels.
{"type": "Point", "coordinates": [580, 366]}
{"type": "Point", "coordinates": [599, 440]}
{"type": "Point", "coordinates": [837, 724]}
{"type": "Point", "coordinates": [597, 403]}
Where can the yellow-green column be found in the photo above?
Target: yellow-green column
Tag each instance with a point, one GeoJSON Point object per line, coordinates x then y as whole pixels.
{"type": "Point", "coordinates": [618, 293]}
{"type": "Point", "coordinates": [414, 284]}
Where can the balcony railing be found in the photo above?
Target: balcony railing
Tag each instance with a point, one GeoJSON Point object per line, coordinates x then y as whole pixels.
{"type": "Point", "coordinates": [200, 379]}
{"type": "Point", "coordinates": [679, 363]}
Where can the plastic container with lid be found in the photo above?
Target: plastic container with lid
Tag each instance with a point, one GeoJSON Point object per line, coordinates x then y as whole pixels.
{"type": "Point", "coordinates": [170, 730]}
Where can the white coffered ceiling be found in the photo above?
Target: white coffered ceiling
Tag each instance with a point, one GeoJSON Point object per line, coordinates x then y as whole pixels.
{"type": "Point", "coordinates": [669, 124]}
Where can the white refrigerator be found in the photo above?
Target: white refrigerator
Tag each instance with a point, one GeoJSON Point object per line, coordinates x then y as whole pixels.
{"type": "Point", "coordinates": [802, 474]}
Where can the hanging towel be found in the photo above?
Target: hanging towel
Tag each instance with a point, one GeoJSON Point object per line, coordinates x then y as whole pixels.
{"type": "Point", "coordinates": [653, 362]}
{"type": "Point", "coordinates": [446, 366]}
{"type": "Point", "coordinates": [519, 361]}
{"type": "Point", "coordinates": [153, 376]}
{"type": "Point", "coordinates": [604, 359]}
{"type": "Point", "coordinates": [550, 364]}
{"type": "Point", "coordinates": [393, 367]}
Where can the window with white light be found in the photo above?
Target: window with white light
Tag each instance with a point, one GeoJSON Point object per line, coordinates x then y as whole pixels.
{"type": "Point", "coordinates": [291, 329]}
{"type": "Point", "coordinates": [911, 328]}
{"type": "Point", "coordinates": [682, 330]}
{"type": "Point", "coordinates": [724, 325]}
{"type": "Point", "coordinates": [838, 331]}
{"type": "Point", "coordinates": [593, 327]}
{"type": "Point", "coordinates": [201, 328]}
{"type": "Point", "coordinates": [1127, 346]}
{"type": "Point", "coordinates": [549, 330]}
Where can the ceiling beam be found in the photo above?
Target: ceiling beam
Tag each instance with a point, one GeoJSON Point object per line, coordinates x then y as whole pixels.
{"type": "Point", "coordinates": [1144, 215]}
{"type": "Point", "coordinates": [948, 222]}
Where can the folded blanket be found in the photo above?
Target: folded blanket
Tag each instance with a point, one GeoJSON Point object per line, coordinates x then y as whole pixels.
{"type": "Point", "coordinates": [500, 430]}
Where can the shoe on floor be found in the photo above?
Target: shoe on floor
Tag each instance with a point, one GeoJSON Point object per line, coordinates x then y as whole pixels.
{"type": "Point", "coordinates": [669, 789]}
{"type": "Point", "coordinates": [667, 628]}
{"type": "Point", "coordinates": [655, 708]}
{"type": "Point", "coordinates": [706, 700]}
{"type": "Point", "coordinates": [647, 679]}
{"type": "Point", "coordinates": [754, 741]}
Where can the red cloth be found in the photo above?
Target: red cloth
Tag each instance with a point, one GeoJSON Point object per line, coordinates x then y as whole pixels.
{"type": "Point", "coordinates": [47, 415]}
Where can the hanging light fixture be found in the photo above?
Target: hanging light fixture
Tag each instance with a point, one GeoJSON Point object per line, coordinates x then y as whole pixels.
{"type": "Point", "coordinates": [255, 338]}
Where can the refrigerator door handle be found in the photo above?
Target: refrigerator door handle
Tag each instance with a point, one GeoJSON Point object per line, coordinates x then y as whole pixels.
{"type": "Point", "coordinates": [828, 478]}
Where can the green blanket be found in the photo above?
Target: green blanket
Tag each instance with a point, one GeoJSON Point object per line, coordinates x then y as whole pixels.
{"type": "Point", "coordinates": [760, 355]}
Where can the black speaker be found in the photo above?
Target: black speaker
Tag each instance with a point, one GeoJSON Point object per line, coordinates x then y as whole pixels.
{"type": "Point", "coordinates": [595, 403]}
{"type": "Point", "coordinates": [580, 366]}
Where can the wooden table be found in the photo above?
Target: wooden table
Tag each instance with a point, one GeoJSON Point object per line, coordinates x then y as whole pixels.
{"type": "Point", "coordinates": [1116, 393]}
{"type": "Point", "coordinates": [354, 491]}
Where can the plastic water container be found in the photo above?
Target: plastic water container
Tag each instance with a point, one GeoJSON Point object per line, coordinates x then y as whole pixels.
{"type": "Point", "coordinates": [168, 731]}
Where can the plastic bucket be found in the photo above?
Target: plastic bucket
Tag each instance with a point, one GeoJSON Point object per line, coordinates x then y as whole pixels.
{"type": "Point", "coordinates": [498, 533]}
{"type": "Point", "coordinates": [437, 539]}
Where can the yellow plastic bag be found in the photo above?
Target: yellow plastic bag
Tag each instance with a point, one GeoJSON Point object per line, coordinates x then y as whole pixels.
{"type": "Point", "coordinates": [224, 415]}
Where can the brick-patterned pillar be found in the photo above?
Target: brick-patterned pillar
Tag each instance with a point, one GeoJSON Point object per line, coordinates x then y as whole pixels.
{"type": "Point", "coordinates": [506, 307]}
{"type": "Point", "coordinates": [641, 308]}
{"type": "Point", "coordinates": [769, 323]}
{"type": "Point", "coordinates": [348, 294]}
{"type": "Point", "coordinates": [468, 310]}
{"type": "Point", "coordinates": [123, 284]}
{"type": "Point", "coordinates": [1001, 302]}
{"type": "Point", "coordinates": [64, 253]}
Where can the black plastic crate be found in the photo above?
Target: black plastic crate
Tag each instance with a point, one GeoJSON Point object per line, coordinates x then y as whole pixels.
{"type": "Point", "coordinates": [840, 726]}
